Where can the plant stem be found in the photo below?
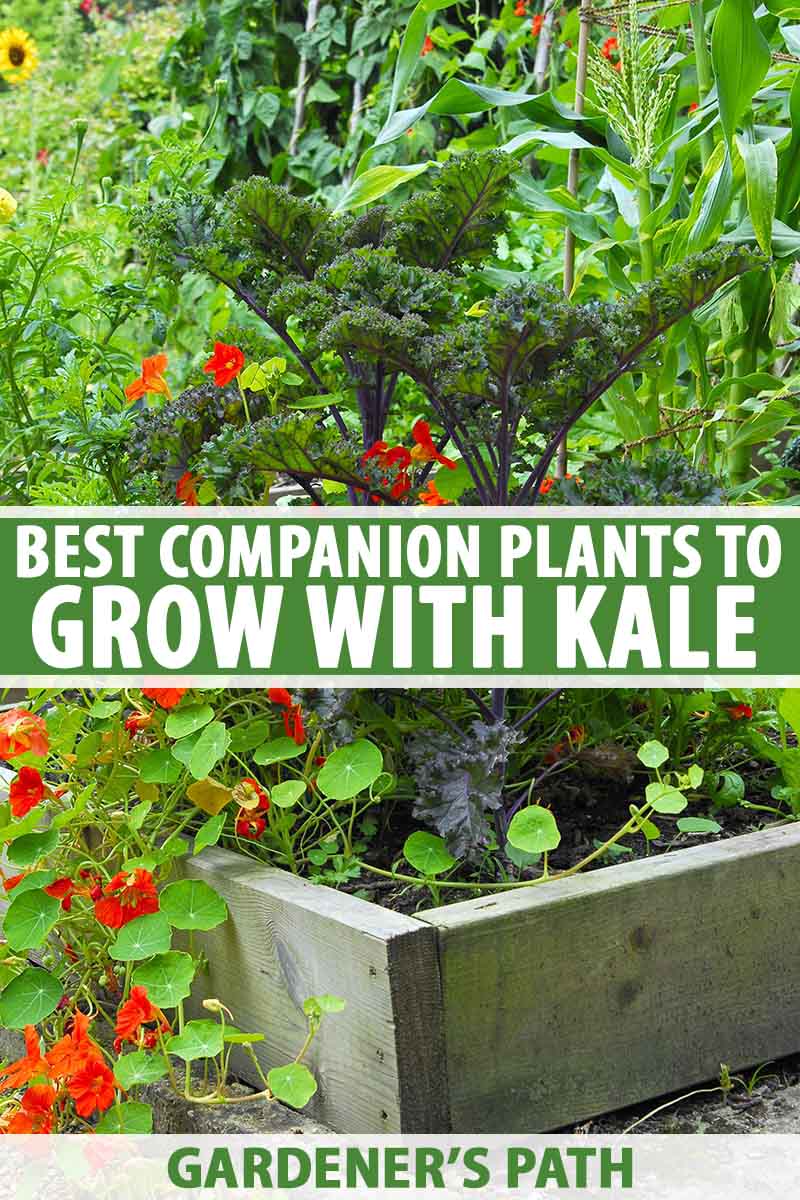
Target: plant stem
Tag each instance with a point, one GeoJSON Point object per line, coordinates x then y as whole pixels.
{"type": "Point", "coordinates": [705, 78]}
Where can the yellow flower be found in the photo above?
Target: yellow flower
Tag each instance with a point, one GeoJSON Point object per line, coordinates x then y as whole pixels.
{"type": "Point", "coordinates": [8, 206]}
{"type": "Point", "coordinates": [19, 57]}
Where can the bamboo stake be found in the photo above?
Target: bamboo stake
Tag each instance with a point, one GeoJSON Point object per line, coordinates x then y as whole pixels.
{"type": "Point", "coordinates": [572, 180]}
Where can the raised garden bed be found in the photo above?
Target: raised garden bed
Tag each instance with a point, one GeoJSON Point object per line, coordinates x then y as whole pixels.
{"type": "Point", "coordinates": [522, 1011]}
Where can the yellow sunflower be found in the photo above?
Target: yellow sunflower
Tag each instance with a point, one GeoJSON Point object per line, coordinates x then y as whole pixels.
{"type": "Point", "coordinates": [19, 57]}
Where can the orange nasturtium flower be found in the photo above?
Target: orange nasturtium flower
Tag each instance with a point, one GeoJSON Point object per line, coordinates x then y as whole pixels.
{"type": "Point", "coordinates": [427, 46]}
{"type": "Point", "coordinates": [536, 25]}
{"type": "Point", "coordinates": [35, 1114]}
{"type": "Point", "coordinates": [186, 489]}
{"type": "Point", "coordinates": [128, 895]}
{"type": "Point", "coordinates": [132, 1018]}
{"type": "Point", "coordinates": [30, 1066]}
{"type": "Point", "coordinates": [165, 697]}
{"type": "Point", "coordinates": [92, 1088]}
{"type": "Point", "coordinates": [151, 379]}
{"type": "Point", "coordinates": [432, 496]}
{"type": "Point", "coordinates": [22, 732]}
{"type": "Point", "coordinates": [225, 363]}
{"type": "Point", "coordinates": [74, 1051]}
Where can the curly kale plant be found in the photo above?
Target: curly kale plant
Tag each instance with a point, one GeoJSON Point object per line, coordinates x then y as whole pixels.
{"type": "Point", "coordinates": [363, 301]}
{"type": "Point", "coordinates": [665, 478]}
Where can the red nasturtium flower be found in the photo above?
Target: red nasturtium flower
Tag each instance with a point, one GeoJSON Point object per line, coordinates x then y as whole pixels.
{"type": "Point", "coordinates": [740, 712]}
{"type": "Point", "coordinates": [22, 732]}
{"type": "Point", "coordinates": [136, 721]}
{"type": "Point", "coordinates": [26, 791]}
{"type": "Point", "coordinates": [610, 48]}
{"type": "Point", "coordinates": [43, 157]}
{"type": "Point", "coordinates": [63, 890]}
{"type": "Point", "coordinates": [432, 496]}
{"type": "Point", "coordinates": [30, 1066]}
{"type": "Point", "coordinates": [425, 450]}
{"type": "Point", "coordinates": [292, 716]}
{"type": "Point", "coordinates": [12, 881]}
{"type": "Point", "coordinates": [35, 1114]}
{"type": "Point", "coordinates": [427, 46]}
{"type": "Point", "coordinates": [536, 25]}
{"type": "Point", "coordinates": [250, 795]}
{"type": "Point", "coordinates": [165, 697]}
{"type": "Point", "coordinates": [151, 379]}
{"type": "Point", "coordinates": [92, 1088]}
{"type": "Point", "coordinates": [129, 894]}
{"type": "Point", "coordinates": [134, 1016]}
{"type": "Point", "coordinates": [250, 827]}
{"type": "Point", "coordinates": [225, 363]}
{"type": "Point", "coordinates": [186, 489]}
{"type": "Point", "coordinates": [693, 107]}
{"type": "Point", "coordinates": [545, 485]}
{"type": "Point", "coordinates": [521, 8]}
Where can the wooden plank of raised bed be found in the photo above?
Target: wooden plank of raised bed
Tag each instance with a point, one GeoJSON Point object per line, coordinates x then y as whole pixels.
{"type": "Point", "coordinates": [567, 1000]}
{"type": "Point", "coordinates": [379, 1063]}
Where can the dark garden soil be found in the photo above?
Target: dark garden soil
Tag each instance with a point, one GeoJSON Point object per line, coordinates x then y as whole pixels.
{"type": "Point", "coordinates": [591, 801]}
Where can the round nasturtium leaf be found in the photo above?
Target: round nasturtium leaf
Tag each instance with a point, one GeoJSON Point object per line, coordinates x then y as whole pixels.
{"type": "Point", "coordinates": [652, 754]}
{"type": "Point", "coordinates": [138, 1068]}
{"type": "Point", "coordinates": [26, 850]}
{"type": "Point", "coordinates": [279, 750]}
{"type": "Point", "coordinates": [534, 830]}
{"type": "Point", "coordinates": [315, 1006]}
{"type": "Point", "coordinates": [29, 998]}
{"type": "Point", "coordinates": [209, 832]}
{"type": "Point", "coordinates": [665, 798]}
{"type": "Point", "coordinates": [210, 747]}
{"type": "Point", "coordinates": [130, 1117]}
{"type": "Point", "coordinates": [285, 794]}
{"type": "Point", "coordinates": [29, 919]}
{"type": "Point", "coordinates": [192, 904]}
{"type": "Point", "coordinates": [142, 938]}
{"type": "Point", "coordinates": [158, 766]}
{"type": "Point", "coordinates": [427, 853]}
{"type": "Point", "coordinates": [167, 977]}
{"type": "Point", "coordinates": [293, 1085]}
{"type": "Point", "coordinates": [350, 770]}
{"type": "Point", "coordinates": [698, 825]}
{"type": "Point", "coordinates": [183, 721]}
{"type": "Point", "coordinates": [209, 795]}
{"type": "Point", "coordinates": [200, 1039]}
{"type": "Point", "coordinates": [101, 710]}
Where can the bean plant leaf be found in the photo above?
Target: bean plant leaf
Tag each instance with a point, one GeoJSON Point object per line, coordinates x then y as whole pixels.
{"type": "Point", "coordinates": [534, 830]}
{"type": "Point", "coordinates": [141, 938]}
{"type": "Point", "coordinates": [29, 919]}
{"type": "Point", "coordinates": [167, 977]}
{"type": "Point", "coordinates": [31, 997]}
{"type": "Point", "coordinates": [350, 770]}
{"type": "Point", "coordinates": [427, 853]}
{"type": "Point", "coordinates": [293, 1084]}
{"type": "Point", "coordinates": [193, 904]}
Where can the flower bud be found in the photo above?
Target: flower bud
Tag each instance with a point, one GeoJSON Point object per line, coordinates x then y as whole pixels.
{"type": "Point", "coordinates": [220, 87]}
